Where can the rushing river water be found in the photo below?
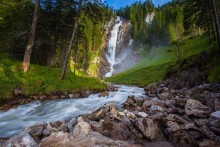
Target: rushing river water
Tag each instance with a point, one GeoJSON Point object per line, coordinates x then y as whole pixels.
{"type": "Point", "coordinates": [14, 120]}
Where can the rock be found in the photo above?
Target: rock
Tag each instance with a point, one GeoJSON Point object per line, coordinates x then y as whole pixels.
{"type": "Point", "coordinates": [180, 102]}
{"type": "Point", "coordinates": [97, 115]}
{"type": "Point", "coordinates": [81, 129]}
{"type": "Point", "coordinates": [148, 128]}
{"type": "Point", "coordinates": [36, 131]}
{"type": "Point", "coordinates": [182, 138]}
{"type": "Point", "coordinates": [63, 127]}
{"type": "Point", "coordinates": [114, 130]}
{"type": "Point", "coordinates": [85, 94]}
{"type": "Point", "coordinates": [207, 143]}
{"type": "Point", "coordinates": [196, 109]}
{"type": "Point", "coordinates": [172, 126]}
{"type": "Point", "coordinates": [71, 124]}
{"type": "Point", "coordinates": [164, 95]}
{"type": "Point", "coordinates": [93, 139]}
{"type": "Point", "coordinates": [201, 122]}
{"type": "Point", "coordinates": [131, 115]}
{"type": "Point", "coordinates": [56, 124]}
{"type": "Point", "coordinates": [175, 123]}
{"type": "Point", "coordinates": [80, 119]}
{"type": "Point", "coordinates": [215, 130]}
{"type": "Point", "coordinates": [71, 95]}
{"type": "Point", "coordinates": [155, 108]}
{"type": "Point", "coordinates": [131, 101]}
{"type": "Point", "coordinates": [147, 104]}
{"type": "Point", "coordinates": [47, 132]}
{"type": "Point", "coordinates": [104, 94]}
{"type": "Point", "coordinates": [215, 119]}
{"type": "Point", "coordinates": [208, 133]}
{"type": "Point", "coordinates": [143, 114]}
{"type": "Point", "coordinates": [23, 139]}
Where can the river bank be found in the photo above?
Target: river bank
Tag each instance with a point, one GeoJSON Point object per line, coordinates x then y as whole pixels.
{"type": "Point", "coordinates": [158, 115]}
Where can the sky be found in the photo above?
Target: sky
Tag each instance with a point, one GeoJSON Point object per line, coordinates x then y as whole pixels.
{"type": "Point", "coordinates": [116, 4]}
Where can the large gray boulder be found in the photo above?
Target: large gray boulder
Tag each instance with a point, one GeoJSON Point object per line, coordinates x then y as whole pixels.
{"type": "Point", "coordinates": [36, 131]}
{"type": "Point", "coordinates": [197, 109]}
{"type": "Point", "coordinates": [23, 139]}
{"type": "Point", "coordinates": [148, 128]}
{"type": "Point", "coordinates": [92, 139]}
{"type": "Point", "coordinates": [81, 129]}
{"type": "Point", "coordinates": [215, 119]}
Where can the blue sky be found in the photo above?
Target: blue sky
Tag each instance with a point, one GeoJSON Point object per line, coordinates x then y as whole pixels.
{"type": "Point", "coordinates": [121, 3]}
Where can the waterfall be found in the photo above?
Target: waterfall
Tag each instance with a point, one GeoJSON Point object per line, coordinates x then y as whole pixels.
{"type": "Point", "coordinates": [112, 44]}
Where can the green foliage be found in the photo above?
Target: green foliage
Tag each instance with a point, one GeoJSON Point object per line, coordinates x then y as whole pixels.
{"type": "Point", "coordinates": [154, 66]}
{"type": "Point", "coordinates": [39, 80]}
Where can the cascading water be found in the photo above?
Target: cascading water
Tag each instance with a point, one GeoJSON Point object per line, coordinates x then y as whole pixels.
{"type": "Point", "coordinates": [112, 44]}
{"type": "Point", "coordinates": [14, 120]}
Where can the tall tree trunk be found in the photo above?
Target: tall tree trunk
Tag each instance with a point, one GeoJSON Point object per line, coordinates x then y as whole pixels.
{"type": "Point", "coordinates": [30, 44]}
{"type": "Point", "coordinates": [217, 25]}
{"type": "Point", "coordinates": [210, 34]}
{"type": "Point", "coordinates": [71, 43]}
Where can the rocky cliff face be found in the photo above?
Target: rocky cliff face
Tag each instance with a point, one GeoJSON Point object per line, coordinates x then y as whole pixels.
{"type": "Point", "coordinates": [124, 56]}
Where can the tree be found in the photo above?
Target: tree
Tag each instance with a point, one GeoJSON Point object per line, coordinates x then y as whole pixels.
{"type": "Point", "coordinates": [71, 43]}
{"type": "Point", "coordinates": [30, 44]}
{"type": "Point", "coordinates": [217, 25]}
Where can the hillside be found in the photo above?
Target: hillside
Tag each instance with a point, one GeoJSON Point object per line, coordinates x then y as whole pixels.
{"type": "Point", "coordinates": [39, 80]}
{"type": "Point", "coordinates": [154, 66]}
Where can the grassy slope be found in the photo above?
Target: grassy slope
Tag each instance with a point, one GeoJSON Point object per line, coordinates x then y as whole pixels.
{"type": "Point", "coordinates": [154, 66]}
{"type": "Point", "coordinates": [39, 79]}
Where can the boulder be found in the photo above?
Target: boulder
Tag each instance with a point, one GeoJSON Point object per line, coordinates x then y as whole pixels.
{"type": "Point", "coordinates": [114, 130]}
{"type": "Point", "coordinates": [197, 109]}
{"type": "Point", "coordinates": [131, 101]}
{"type": "Point", "coordinates": [81, 129]}
{"type": "Point", "coordinates": [201, 122]}
{"type": "Point", "coordinates": [92, 139]}
{"type": "Point", "coordinates": [182, 138]}
{"type": "Point", "coordinates": [215, 119]}
{"type": "Point", "coordinates": [85, 93]}
{"type": "Point", "coordinates": [155, 108]}
{"type": "Point", "coordinates": [164, 95]}
{"type": "Point", "coordinates": [175, 123]}
{"type": "Point", "coordinates": [207, 143]}
{"type": "Point", "coordinates": [97, 115]}
{"type": "Point", "coordinates": [142, 114]}
{"type": "Point", "coordinates": [71, 124]}
{"type": "Point", "coordinates": [148, 128]}
{"type": "Point", "coordinates": [47, 132]}
{"type": "Point", "coordinates": [36, 131]}
{"type": "Point", "coordinates": [23, 139]}
{"type": "Point", "coordinates": [104, 94]}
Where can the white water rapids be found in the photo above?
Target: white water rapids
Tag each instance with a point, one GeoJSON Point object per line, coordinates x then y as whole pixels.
{"type": "Point", "coordinates": [112, 44]}
{"type": "Point", "coordinates": [14, 120]}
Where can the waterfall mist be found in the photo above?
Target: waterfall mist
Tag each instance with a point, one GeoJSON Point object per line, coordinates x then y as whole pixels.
{"type": "Point", "coordinates": [119, 54]}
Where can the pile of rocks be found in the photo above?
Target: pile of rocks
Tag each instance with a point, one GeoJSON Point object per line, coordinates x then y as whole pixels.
{"type": "Point", "coordinates": [167, 117]}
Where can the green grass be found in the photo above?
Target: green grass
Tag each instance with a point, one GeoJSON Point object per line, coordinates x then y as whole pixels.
{"type": "Point", "coordinates": [154, 66]}
{"type": "Point", "coordinates": [39, 80]}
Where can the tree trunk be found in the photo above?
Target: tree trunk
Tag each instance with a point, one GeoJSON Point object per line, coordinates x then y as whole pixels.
{"type": "Point", "coordinates": [30, 44]}
{"type": "Point", "coordinates": [215, 13]}
{"type": "Point", "coordinates": [71, 43]}
{"type": "Point", "coordinates": [210, 35]}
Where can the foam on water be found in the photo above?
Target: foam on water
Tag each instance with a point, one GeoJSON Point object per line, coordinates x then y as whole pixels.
{"type": "Point", "coordinates": [14, 120]}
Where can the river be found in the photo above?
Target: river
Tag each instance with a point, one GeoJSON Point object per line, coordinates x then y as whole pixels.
{"type": "Point", "coordinates": [14, 120]}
